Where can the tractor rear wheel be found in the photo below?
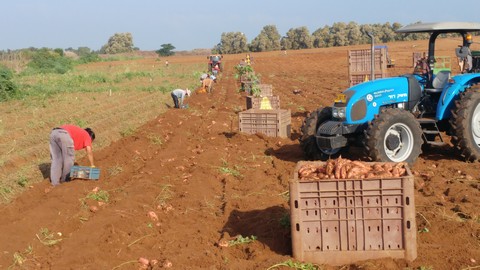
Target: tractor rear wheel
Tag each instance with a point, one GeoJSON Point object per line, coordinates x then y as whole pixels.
{"type": "Point", "coordinates": [465, 123]}
{"type": "Point", "coordinates": [394, 136]}
{"type": "Point", "coordinates": [308, 142]}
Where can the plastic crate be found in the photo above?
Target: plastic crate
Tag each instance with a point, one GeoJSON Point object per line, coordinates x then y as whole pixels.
{"type": "Point", "coordinates": [266, 90]}
{"type": "Point", "coordinates": [255, 102]}
{"type": "Point", "coordinates": [343, 221]}
{"type": "Point", "coordinates": [273, 123]}
{"type": "Point", "coordinates": [83, 172]}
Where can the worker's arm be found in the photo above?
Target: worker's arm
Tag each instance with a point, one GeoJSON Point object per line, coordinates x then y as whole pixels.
{"type": "Point", "coordinates": [90, 155]}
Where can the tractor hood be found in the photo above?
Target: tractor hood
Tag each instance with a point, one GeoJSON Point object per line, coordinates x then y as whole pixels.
{"type": "Point", "coordinates": [363, 101]}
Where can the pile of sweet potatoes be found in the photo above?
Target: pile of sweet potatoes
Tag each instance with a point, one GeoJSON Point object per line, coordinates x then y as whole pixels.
{"type": "Point", "coordinates": [341, 168]}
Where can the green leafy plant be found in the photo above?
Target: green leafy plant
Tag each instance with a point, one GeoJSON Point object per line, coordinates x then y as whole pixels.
{"type": "Point", "coordinates": [242, 240]}
{"type": "Point", "coordinates": [225, 169]}
{"type": "Point", "coordinates": [22, 181]}
{"type": "Point", "coordinates": [48, 238]}
{"type": "Point", "coordinates": [7, 87]}
{"type": "Point", "coordinates": [100, 196]}
{"type": "Point", "coordinates": [295, 265]}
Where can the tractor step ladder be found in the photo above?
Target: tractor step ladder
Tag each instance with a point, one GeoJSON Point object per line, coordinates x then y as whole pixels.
{"type": "Point", "coordinates": [431, 131]}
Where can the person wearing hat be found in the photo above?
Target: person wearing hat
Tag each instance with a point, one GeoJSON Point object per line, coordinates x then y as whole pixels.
{"type": "Point", "coordinates": [178, 96]}
{"type": "Point", "coordinates": [64, 141]}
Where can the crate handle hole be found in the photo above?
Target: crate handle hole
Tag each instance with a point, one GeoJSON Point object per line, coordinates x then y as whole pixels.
{"type": "Point", "coordinates": [318, 248]}
{"type": "Point", "coordinates": [297, 227]}
{"type": "Point", "coordinates": [408, 224]}
{"type": "Point", "coordinates": [407, 200]}
{"type": "Point", "coordinates": [296, 204]}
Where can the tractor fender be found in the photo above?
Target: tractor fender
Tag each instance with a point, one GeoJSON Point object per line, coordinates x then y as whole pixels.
{"type": "Point", "coordinates": [452, 91]}
{"type": "Point", "coordinates": [365, 100]}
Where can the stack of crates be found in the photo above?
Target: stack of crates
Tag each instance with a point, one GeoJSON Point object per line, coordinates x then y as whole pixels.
{"type": "Point", "coordinates": [343, 221]}
{"type": "Point", "coordinates": [360, 65]}
{"type": "Point", "coordinates": [266, 91]}
{"type": "Point", "coordinates": [263, 115]}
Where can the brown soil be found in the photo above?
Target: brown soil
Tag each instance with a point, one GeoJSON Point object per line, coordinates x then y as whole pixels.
{"type": "Point", "coordinates": [184, 181]}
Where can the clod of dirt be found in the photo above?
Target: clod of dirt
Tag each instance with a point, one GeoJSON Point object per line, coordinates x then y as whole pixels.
{"type": "Point", "coordinates": [93, 209]}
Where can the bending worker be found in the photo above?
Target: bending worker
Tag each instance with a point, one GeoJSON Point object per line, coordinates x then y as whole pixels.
{"type": "Point", "coordinates": [64, 141]}
{"type": "Point", "coordinates": [178, 95]}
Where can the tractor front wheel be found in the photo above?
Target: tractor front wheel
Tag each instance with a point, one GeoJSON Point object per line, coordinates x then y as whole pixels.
{"type": "Point", "coordinates": [394, 136]}
{"type": "Point", "coordinates": [308, 141]}
{"type": "Point", "coordinates": [465, 122]}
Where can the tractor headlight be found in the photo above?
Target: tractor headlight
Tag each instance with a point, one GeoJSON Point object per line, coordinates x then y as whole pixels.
{"type": "Point", "coordinates": [338, 112]}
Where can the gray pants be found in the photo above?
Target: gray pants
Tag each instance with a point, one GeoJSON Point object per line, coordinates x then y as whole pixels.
{"type": "Point", "coordinates": [62, 154]}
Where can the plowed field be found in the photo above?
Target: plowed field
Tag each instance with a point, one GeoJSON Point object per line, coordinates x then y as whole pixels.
{"type": "Point", "coordinates": [204, 182]}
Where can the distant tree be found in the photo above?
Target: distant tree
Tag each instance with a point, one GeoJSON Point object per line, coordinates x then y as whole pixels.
{"type": "Point", "coordinates": [267, 40]}
{"type": "Point", "coordinates": [232, 42]}
{"type": "Point", "coordinates": [321, 37]}
{"type": "Point", "coordinates": [166, 50]}
{"type": "Point", "coordinates": [354, 34]}
{"type": "Point", "coordinates": [81, 51]}
{"type": "Point", "coordinates": [118, 43]}
{"type": "Point", "coordinates": [59, 51]}
{"type": "Point", "coordinates": [298, 38]}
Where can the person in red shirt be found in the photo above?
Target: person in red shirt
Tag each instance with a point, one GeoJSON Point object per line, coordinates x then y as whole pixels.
{"type": "Point", "coordinates": [64, 141]}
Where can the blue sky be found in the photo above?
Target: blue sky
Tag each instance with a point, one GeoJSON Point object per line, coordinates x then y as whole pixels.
{"type": "Point", "coordinates": [189, 24]}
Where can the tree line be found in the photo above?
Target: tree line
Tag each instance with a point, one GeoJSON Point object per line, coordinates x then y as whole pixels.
{"type": "Point", "coordinates": [339, 34]}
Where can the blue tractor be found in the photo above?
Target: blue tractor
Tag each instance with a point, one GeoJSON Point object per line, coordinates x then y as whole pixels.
{"type": "Point", "coordinates": [392, 118]}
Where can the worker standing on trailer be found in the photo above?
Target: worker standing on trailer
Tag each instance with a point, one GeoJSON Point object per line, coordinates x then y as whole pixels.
{"type": "Point", "coordinates": [178, 95]}
{"type": "Point", "coordinates": [64, 141]}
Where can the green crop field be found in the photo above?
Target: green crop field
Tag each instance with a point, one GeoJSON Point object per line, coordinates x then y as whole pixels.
{"type": "Point", "coordinates": [113, 98]}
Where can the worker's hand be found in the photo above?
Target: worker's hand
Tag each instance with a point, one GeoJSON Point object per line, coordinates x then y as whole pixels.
{"type": "Point", "coordinates": [93, 166]}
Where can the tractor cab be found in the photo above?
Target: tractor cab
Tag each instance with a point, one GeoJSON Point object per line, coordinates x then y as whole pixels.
{"type": "Point", "coordinates": [393, 117]}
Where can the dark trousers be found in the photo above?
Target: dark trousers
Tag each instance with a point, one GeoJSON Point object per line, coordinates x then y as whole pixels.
{"type": "Point", "coordinates": [175, 101]}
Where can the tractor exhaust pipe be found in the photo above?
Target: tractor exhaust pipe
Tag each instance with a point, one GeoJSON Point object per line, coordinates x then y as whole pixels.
{"type": "Point", "coordinates": [372, 64]}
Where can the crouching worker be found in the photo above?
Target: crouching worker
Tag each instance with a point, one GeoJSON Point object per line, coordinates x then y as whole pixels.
{"type": "Point", "coordinates": [178, 95]}
{"type": "Point", "coordinates": [64, 141]}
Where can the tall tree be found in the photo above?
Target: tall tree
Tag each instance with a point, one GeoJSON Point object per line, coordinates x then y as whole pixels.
{"type": "Point", "coordinates": [267, 40]}
{"type": "Point", "coordinates": [322, 38]}
{"type": "Point", "coordinates": [119, 43]}
{"type": "Point", "coordinates": [232, 42]}
{"type": "Point", "coordinates": [298, 38]}
{"type": "Point", "coordinates": [166, 50]}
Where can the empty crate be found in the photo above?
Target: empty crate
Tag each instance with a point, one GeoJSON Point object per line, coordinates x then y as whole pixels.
{"type": "Point", "coordinates": [273, 123]}
{"type": "Point", "coordinates": [84, 172]}
{"type": "Point", "coordinates": [342, 221]}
